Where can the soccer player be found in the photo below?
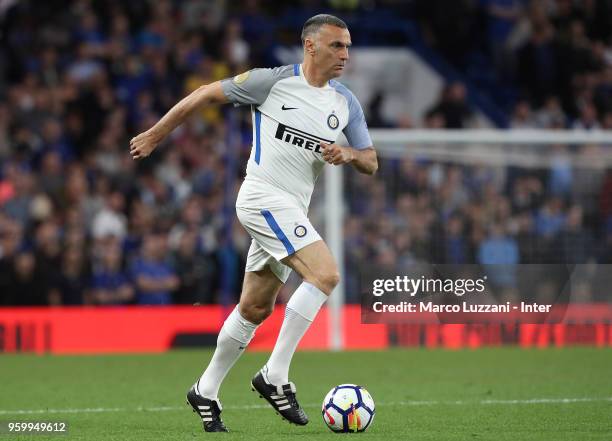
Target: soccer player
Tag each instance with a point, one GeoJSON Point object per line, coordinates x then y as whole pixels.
{"type": "Point", "coordinates": [298, 112]}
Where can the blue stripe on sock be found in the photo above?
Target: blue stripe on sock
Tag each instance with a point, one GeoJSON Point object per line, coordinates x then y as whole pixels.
{"type": "Point", "coordinates": [276, 229]}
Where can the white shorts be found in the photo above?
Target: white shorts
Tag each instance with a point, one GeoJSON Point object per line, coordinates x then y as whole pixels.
{"type": "Point", "coordinates": [277, 233]}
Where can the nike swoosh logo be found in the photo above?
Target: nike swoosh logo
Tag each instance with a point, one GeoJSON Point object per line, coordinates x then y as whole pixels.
{"type": "Point", "coordinates": [288, 108]}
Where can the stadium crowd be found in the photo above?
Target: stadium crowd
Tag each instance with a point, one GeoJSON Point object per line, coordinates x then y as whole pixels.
{"type": "Point", "coordinates": [81, 223]}
{"type": "Point", "coordinates": [553, 58]}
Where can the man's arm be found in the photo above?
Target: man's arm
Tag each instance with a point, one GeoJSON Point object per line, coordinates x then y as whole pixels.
{"type": "Point", "coordinates": [364, 160]}
{"type": "Point", "coordinates": [143, 144]}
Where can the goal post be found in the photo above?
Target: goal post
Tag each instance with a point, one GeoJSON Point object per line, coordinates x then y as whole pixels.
{"type": "Point", "coordinates": [521, 149]}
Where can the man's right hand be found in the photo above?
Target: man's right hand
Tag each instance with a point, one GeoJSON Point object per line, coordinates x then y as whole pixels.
{"type": "Point", "coordinates": [142, 145]}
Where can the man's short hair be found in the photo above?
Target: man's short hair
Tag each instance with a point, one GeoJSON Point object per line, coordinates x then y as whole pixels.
{"type": "Point", "coordinates": [313, 24]}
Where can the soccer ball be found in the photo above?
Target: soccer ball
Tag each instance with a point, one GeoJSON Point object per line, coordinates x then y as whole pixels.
{"type": "Point", "coordinates": [348, 408]}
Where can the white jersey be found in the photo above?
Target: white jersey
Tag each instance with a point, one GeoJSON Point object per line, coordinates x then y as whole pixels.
{"type": "Point", "coordinates": [290, 118]}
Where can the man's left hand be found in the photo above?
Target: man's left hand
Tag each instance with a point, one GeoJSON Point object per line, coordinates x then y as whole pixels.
{"type": "Point", "coordinates": [337, 155]}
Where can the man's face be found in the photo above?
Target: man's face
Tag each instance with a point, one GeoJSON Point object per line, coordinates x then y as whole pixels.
{"type": "Point", "coordinates": [330, 45]}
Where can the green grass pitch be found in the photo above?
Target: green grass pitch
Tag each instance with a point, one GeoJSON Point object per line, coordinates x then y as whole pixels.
{"type": "Point", "coordinates": [487, 394]}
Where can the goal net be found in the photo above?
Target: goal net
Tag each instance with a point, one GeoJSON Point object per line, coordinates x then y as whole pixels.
{"type": "Point", "coordinates": [528, 204]}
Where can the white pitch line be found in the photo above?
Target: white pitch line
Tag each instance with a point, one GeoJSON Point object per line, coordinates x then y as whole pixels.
{"type": "Point", "coordinates": [547, 401]}
{"type": "Point", "coordinates": [507, 402]}
{"type": "Point", "coordinates": [265, 406]}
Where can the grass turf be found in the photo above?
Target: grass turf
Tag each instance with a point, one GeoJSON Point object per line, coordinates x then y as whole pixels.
{"type": "Point", "coordinates": [420, 394]}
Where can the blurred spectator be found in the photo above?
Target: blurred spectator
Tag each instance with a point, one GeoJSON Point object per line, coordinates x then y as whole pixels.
{"type": "Point", "coordinates": [550, 218]}
{"type": "Point", "coordinates": [498, 248]}
{"type": "Point", "coordinates": [69, 286]}
{"type": "Point", "coordinates": [501, 255]}
{"type": "Point", "coordinates": [561, 174]}
{"type": "Point", "coordinates": [110, 284]}
{"type": "Point", "coordinates": [443, 31]}
{"type": "Point", "coordinates": [154, 278]}
{"type": "Point", "coordinates": [605, 199]}
{"type": "Point", "coordinates": [588, 118]}
{"type": "Point", "coordinates": [48, 246]}
{"type": "Point", "coordinates": [576, 242]}
{"type": "Point", "coordinates": [550, 116]}
{"type": "Point", "coordinates": [51, 175]}
{"type": "Point", "coordinates": [502, 16]}
{"type": "Point", "coordinates": [434, 120]}
{"type": "Point", "coordinates": [195, 271]}
{"type": "Point", "coordinates": [236, 48]}
{"type": "Point", "coordinates": [537, 63]}
{"type": "Point", "coordinates": [194, 220]}
{"type": "Point", "coordinates": [27, 286]}
{"type": "Point", "coordinates": [21, 184]}
{"type": "Point", "coordinates": [11, 236]}
{"type": "Point", "coordinates": [522, 117]}
{"type": "Point", "coordinates": [110, 221]}
{"type": "Point", "coordinates": [453, 107]}
{"type": "Point", "coordinates": [53, 140]}
{"type": "Point", "coordinates": [526, 239]}
{"type": "Point", "coordinates": [455, 245]}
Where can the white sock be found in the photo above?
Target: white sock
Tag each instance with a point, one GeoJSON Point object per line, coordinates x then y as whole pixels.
{"type": "Point", "coordinates": [235, 335]}
{"type": "Point", "coordinates": [301, 310]}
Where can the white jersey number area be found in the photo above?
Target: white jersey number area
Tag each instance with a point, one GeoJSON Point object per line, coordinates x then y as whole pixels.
{"type": "Point", "coordinates": [290, 119]}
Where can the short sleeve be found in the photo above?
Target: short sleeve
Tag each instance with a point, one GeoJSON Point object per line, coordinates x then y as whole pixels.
{"type": "Point", "coordinates": [253, 86]}
{"type": "Point", "coordinates": [356, 130]}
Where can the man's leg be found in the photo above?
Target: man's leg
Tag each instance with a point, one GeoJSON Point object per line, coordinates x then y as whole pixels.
{"type": "Point", "coordinates": [259, 292]}
{"type": "Point", "coordinates": [256, 302]}
{"type": "Point", "coordinates": [318, 269]}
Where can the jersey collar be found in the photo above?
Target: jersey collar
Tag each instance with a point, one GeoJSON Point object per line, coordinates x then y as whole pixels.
{"type": "Point", "coordinates": [300, 73]}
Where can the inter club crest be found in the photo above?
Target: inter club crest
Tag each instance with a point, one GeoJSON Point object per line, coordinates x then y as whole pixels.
{"type": "Point", "coordinates": [333, 122]}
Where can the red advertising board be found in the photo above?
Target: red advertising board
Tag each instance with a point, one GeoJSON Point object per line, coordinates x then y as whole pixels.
{"type": "Point", "coordinates": [89, 330]}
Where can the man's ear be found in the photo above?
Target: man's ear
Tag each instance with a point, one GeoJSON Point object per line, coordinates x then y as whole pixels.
{"type": "Point", "coordinates": [309, 45]}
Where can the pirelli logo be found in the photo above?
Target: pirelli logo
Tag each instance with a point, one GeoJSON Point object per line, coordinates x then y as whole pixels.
{"type": "Point", "coordinates": [300, 139]}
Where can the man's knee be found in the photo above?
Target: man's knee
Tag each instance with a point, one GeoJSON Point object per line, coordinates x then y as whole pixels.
{"type": "Point", "coordinates": [255, 313]}
{"type": "Point", "coordinates": [325, 281]}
